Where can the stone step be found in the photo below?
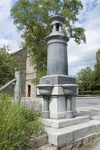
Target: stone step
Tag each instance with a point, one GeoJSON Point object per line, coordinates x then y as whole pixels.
{"type": "Point", "coordinates": [60, 123]}
{"type": "Point", "coordinates": [67, 135]}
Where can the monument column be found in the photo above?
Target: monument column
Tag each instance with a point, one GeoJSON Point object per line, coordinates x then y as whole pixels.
{"type": "Point", "coordinates": [57, 48]}
{"type": "Point", "coordinates": [57, 77]}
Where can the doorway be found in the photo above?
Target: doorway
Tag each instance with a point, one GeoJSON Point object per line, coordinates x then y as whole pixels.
{"type": "Point", "coordinates": [29, 90]}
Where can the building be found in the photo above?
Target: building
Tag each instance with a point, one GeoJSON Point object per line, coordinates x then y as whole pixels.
{"type": "Point", "coordinates": [28, 88]}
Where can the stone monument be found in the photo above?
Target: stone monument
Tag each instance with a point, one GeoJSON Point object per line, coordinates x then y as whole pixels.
{"type": "Point", "coordinates": [59, 92]}
{"type": "Point", "coordinates": [57, 88]}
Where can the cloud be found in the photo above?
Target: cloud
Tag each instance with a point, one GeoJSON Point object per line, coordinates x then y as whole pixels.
{"type": "Point", "coordinates": [8, 33]}
{"type": "Point", "coordinates": [82, 17]}
{"type": "Point", "coordinates": [4, 9]}
{"type": "Point", "coordinates": [81, 56]}
{"type": "Point", "coordinates": [91, 4]}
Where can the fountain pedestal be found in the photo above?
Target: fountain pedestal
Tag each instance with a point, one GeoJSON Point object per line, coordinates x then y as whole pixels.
{"type": "Point", "coordinates": [58, 105]}
{"type": "Point", "coordinates": [59, 92]}
{"type": "Point", "coordinates": [59, 100]}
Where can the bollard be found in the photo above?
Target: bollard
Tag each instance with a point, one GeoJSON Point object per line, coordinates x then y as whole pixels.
{"type": "Point", "coordinates": [17, 94]}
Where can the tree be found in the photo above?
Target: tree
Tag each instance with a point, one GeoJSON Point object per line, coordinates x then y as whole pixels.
{"type": "Point", "coordinates": [97, 70]}
{"type": "Point", "coordinates": [32, 16]}
{"type": "Point", "coordinates": [85, 79]}
{"type": "Point", "coordinates": [88, 79]}
{"type": "Point", "coordinates": [7, 65]}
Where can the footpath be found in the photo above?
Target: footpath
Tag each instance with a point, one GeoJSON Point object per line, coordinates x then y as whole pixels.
{"type": "Point", "coordinates": [94, 113]}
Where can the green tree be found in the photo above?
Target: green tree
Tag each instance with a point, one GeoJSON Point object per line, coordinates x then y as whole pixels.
{"type": "Point", "coordinates": [32, 16]}
{"type": "Point", "coordinates": [85, 79]}
{"type": "Point", "coordinates": [7, 65]}
{"type": "Point", "coordinates": [97, 71]}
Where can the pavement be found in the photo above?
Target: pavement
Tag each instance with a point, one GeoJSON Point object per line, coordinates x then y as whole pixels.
{"type": "Point", "coordinates": [94, 113]}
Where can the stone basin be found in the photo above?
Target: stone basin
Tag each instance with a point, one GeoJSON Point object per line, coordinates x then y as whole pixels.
{"type": "Point", "coordinates": [45, 89]}
{"type": "Point", "coordinates": [70, 89]}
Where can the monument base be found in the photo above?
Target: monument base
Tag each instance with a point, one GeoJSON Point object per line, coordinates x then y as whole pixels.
{"type": "Point", "coordinates": [57, 79]}
{"type": "Point", "coordinates": [75, 144]}
{"type": "Point", "coordinates": [60, 123]}
{"type": "Point", "coordinates": [64, 132]}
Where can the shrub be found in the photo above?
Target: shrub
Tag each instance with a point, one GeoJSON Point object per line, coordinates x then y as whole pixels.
{"type": "Point", "coordinates": [89, 92]}
{"type": "Point", "coordinates": [17, 124]}
{"type": "Point", "coordinates": [96, 92]}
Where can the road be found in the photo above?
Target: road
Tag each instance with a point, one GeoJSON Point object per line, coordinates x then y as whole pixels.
{"type": "Point", "coordinates": [88, 106]}
{"type": "Point", "coordinates": [87, 101]}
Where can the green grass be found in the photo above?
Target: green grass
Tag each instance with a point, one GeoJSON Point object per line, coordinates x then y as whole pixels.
{"type": "Point", "coordinates": [17, 125]}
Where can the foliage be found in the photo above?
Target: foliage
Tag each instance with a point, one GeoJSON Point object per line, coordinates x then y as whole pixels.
{"type": "Point", "coordinates": [88, 79]}
{"type": "Point", "coordinates": [32, 16]}
{"type": "Point", "coordinates": [97, 70]}
{"type": "Point", "coordinates": [85, 78]}
{"type": "Point", "coordinates": [7, 65]}
{"type": "Point", "coordinates": [17, 124]}
{"type": "Point", "coordinates": [89, 92]}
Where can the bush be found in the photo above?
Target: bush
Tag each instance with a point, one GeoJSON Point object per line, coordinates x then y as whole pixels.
{"type": "Point", "coordinates": [17, 124]}
{"type": "Point", "coordinates": [89, 92]}
{"type": "Point", "coordinates": [97, 92]}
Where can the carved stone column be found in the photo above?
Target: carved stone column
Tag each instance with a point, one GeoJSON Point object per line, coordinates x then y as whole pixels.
{"type": "Point", "coordinates": [45, 112]}
{"type": "Point", "coordinates": [71, 106]}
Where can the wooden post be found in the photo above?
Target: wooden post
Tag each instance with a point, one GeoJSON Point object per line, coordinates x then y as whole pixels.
{"type": "Point", "coordinates": [17, 95]}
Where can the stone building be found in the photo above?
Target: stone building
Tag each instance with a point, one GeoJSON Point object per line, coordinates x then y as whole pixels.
{"type": "Point", "coordinates": [28, 88]}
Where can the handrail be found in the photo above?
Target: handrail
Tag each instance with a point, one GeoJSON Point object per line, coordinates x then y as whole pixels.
{"type": "Point", "coordinates": [17, 89]}
{"type": "Point", "coordinates": [7, 84]}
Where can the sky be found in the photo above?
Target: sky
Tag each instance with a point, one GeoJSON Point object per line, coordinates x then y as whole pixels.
{"type": "Point", "coordinates": [79, 56]}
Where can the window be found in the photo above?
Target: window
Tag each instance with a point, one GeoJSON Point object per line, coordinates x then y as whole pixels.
{"type": "Point", "coordinates": [57, 26]}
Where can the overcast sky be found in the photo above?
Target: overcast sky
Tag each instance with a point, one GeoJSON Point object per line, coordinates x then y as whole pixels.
{"type": "Point", "coordinates": [79, 56]}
